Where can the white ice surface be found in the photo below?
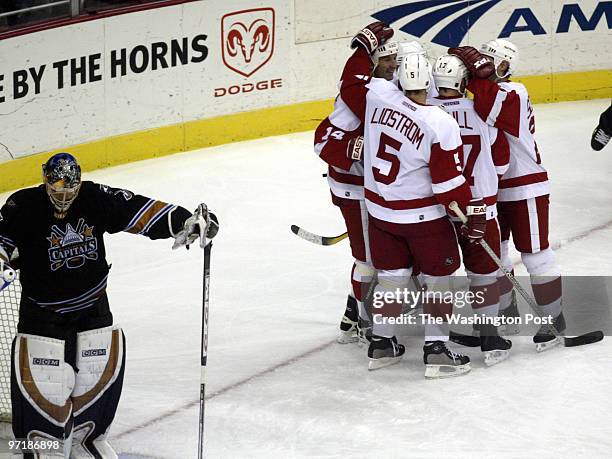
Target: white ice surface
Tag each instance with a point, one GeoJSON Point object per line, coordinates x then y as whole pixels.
{"type": "Point", "coordinates": [278, 384]}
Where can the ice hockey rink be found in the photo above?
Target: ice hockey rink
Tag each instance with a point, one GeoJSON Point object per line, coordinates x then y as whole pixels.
{"type": "Point", "coordinates": [278, 385]}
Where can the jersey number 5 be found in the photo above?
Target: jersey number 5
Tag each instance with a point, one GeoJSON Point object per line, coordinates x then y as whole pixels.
{"type": "Point", "coordinates": [382, 153]}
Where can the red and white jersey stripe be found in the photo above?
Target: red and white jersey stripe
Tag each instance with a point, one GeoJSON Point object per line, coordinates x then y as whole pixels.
{"type": "Point", "coordinates": [411, 163]}
{"type": "Point", "coordinates": [507, 106]}
{"type": "Point", "coordinates": [332, 136]}
{"type": "Point", "coordinates": [485, 150]}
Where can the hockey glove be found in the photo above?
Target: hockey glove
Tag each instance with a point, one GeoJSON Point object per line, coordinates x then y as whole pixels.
{"type": "Point", "coordinates": [476, 213]}
{"type": "Point", "coordinates": [477, 64]}
{"type": "Point", "coordinates": [202, 224]}
{"type": "Point", "coordinates": [354, 149]}
{"type": "Point", "coordinates": [7, 274]}
{"type": "Point", "coordinates": [372, 36]}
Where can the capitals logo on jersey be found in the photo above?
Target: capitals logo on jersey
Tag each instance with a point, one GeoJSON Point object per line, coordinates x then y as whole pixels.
{"type": "Point", "coordinates": [72, 247]}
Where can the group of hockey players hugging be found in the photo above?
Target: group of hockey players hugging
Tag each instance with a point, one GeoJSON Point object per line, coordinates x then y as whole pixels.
{"type": "Point", "coordinates": [404, 147]}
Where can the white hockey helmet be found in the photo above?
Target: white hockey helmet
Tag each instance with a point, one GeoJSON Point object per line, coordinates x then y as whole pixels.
{"type": "Point", "coordinates": [388, 49]}
{"type": "Point", "coordinates": [450, 72]}
{"type": "Point", "coordinates": [409, 47]}
{"type": "Point", "coordinates": [501, 50]}
{"type": "Point", "coordinates": [414, 72]}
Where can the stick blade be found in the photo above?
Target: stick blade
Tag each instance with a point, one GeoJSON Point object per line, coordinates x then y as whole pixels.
{"type": "Point", "coordinates": [587, 338]}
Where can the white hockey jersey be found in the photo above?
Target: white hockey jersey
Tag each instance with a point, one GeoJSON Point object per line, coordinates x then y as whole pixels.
{"type": "Point", "coordinates": [485, 150]}
{"type": "Point", "coordinates": [412, 157]}
{"type": "Point", "coordinates": [344, 176]}
{"type": "Point", "coordinates": [507, 106]}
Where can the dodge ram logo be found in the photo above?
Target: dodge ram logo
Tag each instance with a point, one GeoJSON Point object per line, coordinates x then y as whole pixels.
{"type": "Point", "coordinates": [247, 39]}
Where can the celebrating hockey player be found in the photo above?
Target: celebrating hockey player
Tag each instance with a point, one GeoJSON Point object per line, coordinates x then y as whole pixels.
{"type": "Point", "coordinates": [338, 141]}
{"type": "Point", "coordinates": [412, 173]}
{"type": "Point", "coordinates": [523, 199]}
{"type": "Point", "coordinates": [68, 358]}
{"type": "Point", "coordinates": [484, 160]}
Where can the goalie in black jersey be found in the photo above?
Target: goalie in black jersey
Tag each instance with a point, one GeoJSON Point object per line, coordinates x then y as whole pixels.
{"type": "Point", "coordinates": [68, 357]}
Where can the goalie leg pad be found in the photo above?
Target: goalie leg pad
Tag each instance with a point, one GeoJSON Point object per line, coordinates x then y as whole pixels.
{"type": "Point", "coordinates": [101, 361]}
{"type": "Point", "coordinates": [41, 383]}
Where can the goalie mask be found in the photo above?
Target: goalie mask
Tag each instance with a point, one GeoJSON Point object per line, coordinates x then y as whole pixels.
{"type": "Point", "coordinates": [62, 179]}
{"type": "Point", "coordinates": [501, 50]}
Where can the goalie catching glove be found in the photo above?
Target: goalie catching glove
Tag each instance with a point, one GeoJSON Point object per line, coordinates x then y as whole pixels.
{"type": "Point", "coordinates": [202, 224]}
{"type": "Point", "coordinates": [476, 62]}
{"type": "Point", "coordinates": [476, 213]}
{"type": "Point", "coordinates": [372, 36]}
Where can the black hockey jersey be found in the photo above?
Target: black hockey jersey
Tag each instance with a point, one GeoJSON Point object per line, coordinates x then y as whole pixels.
{"type": "Point", "coordinates": [62, 262]}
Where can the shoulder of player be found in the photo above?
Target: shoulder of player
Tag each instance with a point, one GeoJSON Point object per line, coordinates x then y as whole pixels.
{"type": "Point", "coordinates": [382, 86]}
{"type": "Point", "coordinates": [515, 86]}
{"type": "Point", "coordinates": [26, 196]}
{"type": "Point", "coordinates": [436, 116]}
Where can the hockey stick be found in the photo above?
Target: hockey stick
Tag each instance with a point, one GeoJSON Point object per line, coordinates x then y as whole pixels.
{"type": "Point", "coordinates": [315, 238]}
{"type": "Point", "coordinates": [204, 344]}
{"type": "Point", "coordinates": [587, 338]}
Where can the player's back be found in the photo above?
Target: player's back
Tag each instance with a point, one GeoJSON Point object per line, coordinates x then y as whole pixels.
{"type": "Point", "coordinates": [526, 177]}
{"type": "Point", "coordinates": [477, 160]}
{"type": "Point", "coordinates": [401, 137]}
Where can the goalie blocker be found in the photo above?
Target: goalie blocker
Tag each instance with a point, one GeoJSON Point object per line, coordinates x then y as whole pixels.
{"type": "Point", "coordinates": [52, 401]}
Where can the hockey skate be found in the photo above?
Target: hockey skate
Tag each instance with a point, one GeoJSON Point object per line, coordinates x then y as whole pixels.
{"type": "Point", "coordinates": [494, 347]}
{"type": "Point", "coordinates": [348, 324]}
{"type": "Point", "coordinates": [364, 332]}
{"type": "Point", "coordinates": [510, 311]}
{"type": "Point", "coordinates": [384, 352]}
{"type": "Point", "coordinates": [441, 362]}
{"type": "Point", "coordinates": [546, 339]}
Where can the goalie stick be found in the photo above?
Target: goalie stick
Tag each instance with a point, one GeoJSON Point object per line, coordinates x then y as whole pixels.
{"type": "Point", "coordinates": [587, 338]}
{"type": "Point", "coordinates": [204, 344]}
{"type": "Point", "coordinates": [315, 238]}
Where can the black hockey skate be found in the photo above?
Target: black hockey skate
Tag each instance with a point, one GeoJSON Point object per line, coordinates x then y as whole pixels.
{"type": "Point", "coordinates": [348, 324]}
{"type": "Point", "coordinates": [603, 132]}
{"type": "Point", "coordinates": [384, 352]}
{"type": "Point", "coordinates": [510, 312]}
{"type": "Point", "coordinates": [494, 347]}
{"type": "Point", "coordinates": [441, 362]}
{"type": "Point", "coordinates": [545, 339]}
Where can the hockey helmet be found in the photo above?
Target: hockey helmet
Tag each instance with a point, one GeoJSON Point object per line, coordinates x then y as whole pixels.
{"type": "Point", "coordinates": [450, 72]}
{"type": "Point", "coordinates": [501, 50]}
{"type": "Point", "coordinates": [409, 47]}
{"type": "Point", "coordinates": [62, 179]}
{"type": "Point", "coordinates": [414, 72]}
{"type": "Point", "coordinates": [388, 49]}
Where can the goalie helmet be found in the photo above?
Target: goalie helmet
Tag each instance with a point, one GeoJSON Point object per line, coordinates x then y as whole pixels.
{"type": "Point", "coordinates": [62, 179]}
{"type": "Point", "coordinates": [501, 50]}
{"type": "Point", "coordinates": [414, 72]}
{"type": "Point", "coordinates": [450, 72]}
{"type": "Point", "coordinates": [388, 49]}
